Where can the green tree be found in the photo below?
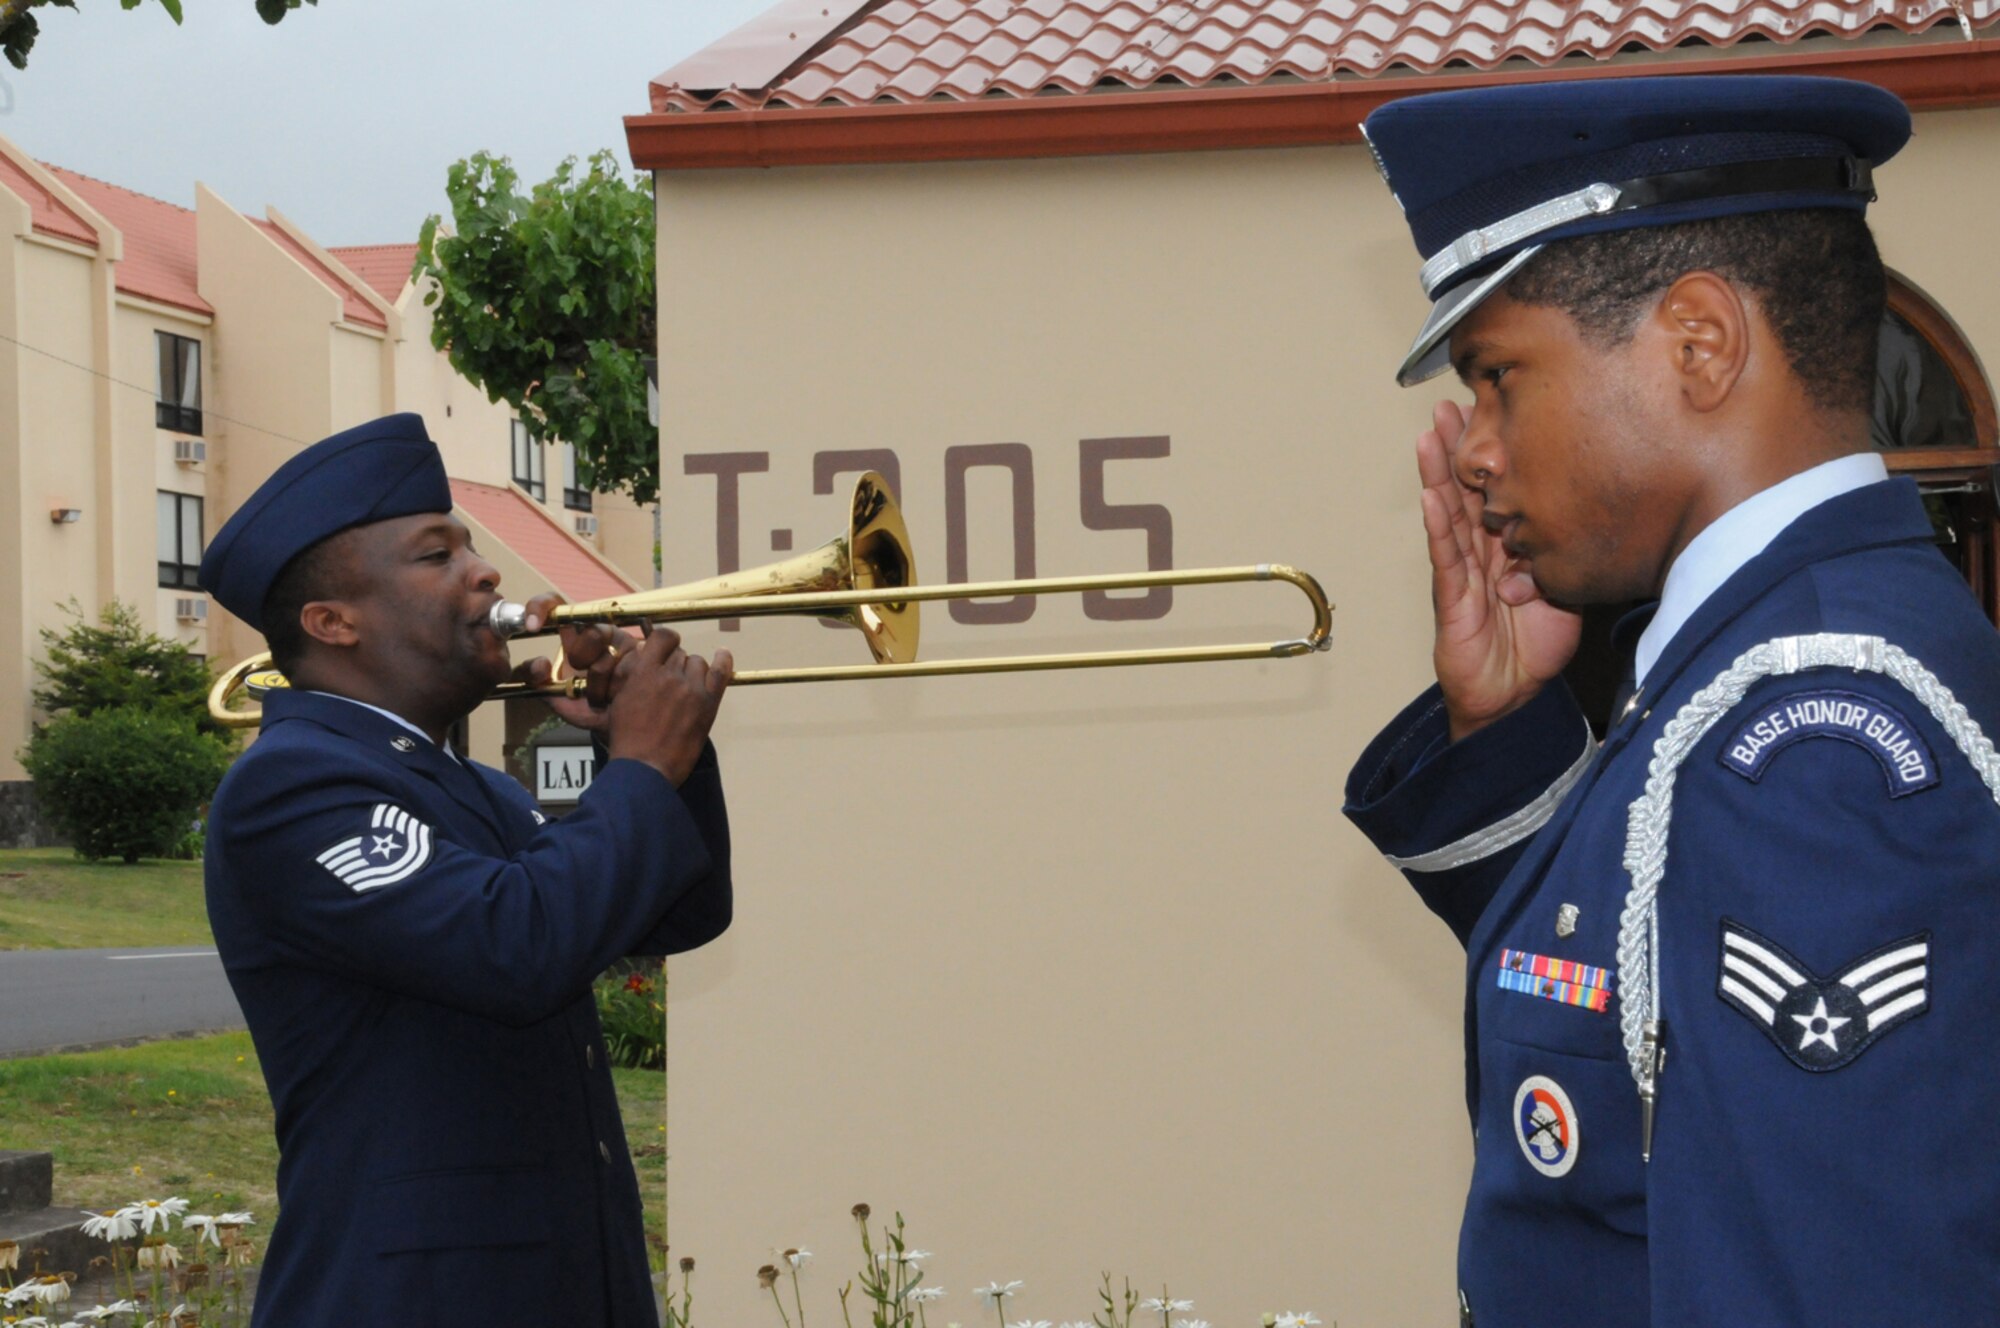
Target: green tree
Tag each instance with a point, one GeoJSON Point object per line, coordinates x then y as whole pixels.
{"type": "Point", "coordinates": [546, 301]}
{"type": "Point", "coordinates": [115, 662]}
{"type": "Point", "coordinates": [19, 27]}
{"type": "Point", "coordinates": [126, 782]}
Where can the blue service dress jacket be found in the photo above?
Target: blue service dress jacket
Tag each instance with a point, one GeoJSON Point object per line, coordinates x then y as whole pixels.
{"type": "Point", "coordinates": [413, 947]}
{"type": "Point", "coordinates": [1822, 948]}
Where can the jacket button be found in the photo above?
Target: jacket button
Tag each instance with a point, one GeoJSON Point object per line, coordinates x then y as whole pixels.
{"type": "Point", "coordinates": [604, 1151]}
{"type": "Point", "coordinates": [590, 1056]}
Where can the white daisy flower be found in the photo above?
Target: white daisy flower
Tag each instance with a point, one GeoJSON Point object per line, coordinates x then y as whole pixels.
{"type": "Point", "coordinates": [994, 1292]}
{"type": "Point", "coordinates": [1297, 1320]}
{"type": "Point", "coordinates": [1170, 1306]}
{"type": "Point", "coordinates": [10, 1254]}
{"type": "Point", "coordinates": [912, 1256]}
{"type": "Point", "coordinates": [1195, 1323]}
{"type": "Point", "coordinates": [119, 1225]}
{"type": "Point", "coordinates": [235, 1220]}
{"type": "Point", "coordinates": [204, 1228]}
{"type": "Point", "coordinates": [16, 1296]}
{"type": "Point", "coordinates": [32, 1321]}
{"type": "Point", "coordinates": [799, 1258]}
{"type": "Point", "coordinates": [46, 1290]}
{"type": "Point", "coordinates": [921, 1295]}
{"type": "Point", "coordinates": [150, 1213]}
{"type": "Point", "coordinates": [1032, 1323]}
{"type": "Point", "coordinates": [158, 1254]}
{"type": "Point", "coordinates": [103, 1312]}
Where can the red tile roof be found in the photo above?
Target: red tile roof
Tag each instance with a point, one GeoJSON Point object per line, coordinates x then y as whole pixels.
{"type": "Point", "coordinates": [908, 51]}
{"type": "Point", "coordinates": [159, 262]}
{"type": "Point", "coordinates": [532, 533]}
{"type": "Point", "coordinates": [354, 307]}
{"type": "Point", "coordinates": [51, 215]}
{"type": "Point", "coordinates": [385, 267]}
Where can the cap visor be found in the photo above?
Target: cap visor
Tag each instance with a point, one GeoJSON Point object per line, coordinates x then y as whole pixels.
{"type": "Point", "coordinates": [1430, 353]}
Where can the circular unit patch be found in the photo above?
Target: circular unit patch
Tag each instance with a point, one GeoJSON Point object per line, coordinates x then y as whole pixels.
{"type": "Point", "coordinates": [1545, 1126]}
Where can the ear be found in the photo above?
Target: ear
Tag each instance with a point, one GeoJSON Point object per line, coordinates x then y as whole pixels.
{"type": "Point", "coordinates": [331, 622]}
{"type": "Point", "coordinates": [1707, 330]}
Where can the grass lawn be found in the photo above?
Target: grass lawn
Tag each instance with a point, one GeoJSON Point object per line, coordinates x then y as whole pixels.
{"type": "Point", "coordinates": [50, 899]}
{"type": "Point", "coordinates": [191, 1119]}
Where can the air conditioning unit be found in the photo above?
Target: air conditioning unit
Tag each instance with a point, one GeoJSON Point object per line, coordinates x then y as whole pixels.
{"type": "Point", "coordinates": [191, 608]}
{"type": "Point", "coordinates": [586, 525]}
{"type": "Point", "coordinates": [190, 451]}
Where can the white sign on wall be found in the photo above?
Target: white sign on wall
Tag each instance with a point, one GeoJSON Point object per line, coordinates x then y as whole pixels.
{"type": "Point", "coordinates": [563, 773]}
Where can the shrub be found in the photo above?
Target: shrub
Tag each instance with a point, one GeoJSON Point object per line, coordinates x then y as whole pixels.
{"type": "Point", "coordinates": [116, 662]}
{"type": "Point", "coordinates": [635, 1030]}
{"type": "Point", "coordinates": [126, 782]}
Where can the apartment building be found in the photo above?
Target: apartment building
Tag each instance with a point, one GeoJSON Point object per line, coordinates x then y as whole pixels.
{"type": "Point", "coordinates": [161, 361]}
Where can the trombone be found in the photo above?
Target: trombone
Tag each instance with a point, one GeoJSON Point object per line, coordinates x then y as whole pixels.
{"type": "Point", "coordinates": [864, 578]}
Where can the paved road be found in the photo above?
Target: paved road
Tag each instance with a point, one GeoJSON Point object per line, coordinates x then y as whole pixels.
{"type": "Point", "coordinates": [53, 999]}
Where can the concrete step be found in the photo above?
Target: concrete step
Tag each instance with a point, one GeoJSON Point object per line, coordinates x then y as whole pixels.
{"type": "Point", "coordinates": [27, 1180]}
{"type": "Point", "coordinates": [59, 1231]}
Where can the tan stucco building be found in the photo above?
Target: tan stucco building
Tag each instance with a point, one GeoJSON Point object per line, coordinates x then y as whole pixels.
{"type": "Point", "coordinates": [164, 360]}
{"type": "Point", "coordinates": [1086, 971]}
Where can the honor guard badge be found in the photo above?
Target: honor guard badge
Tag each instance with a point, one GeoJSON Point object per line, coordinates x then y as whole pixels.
{"type": "Point", "coordinates": [395, 848]}
{"type": "Point", "coordinates": [1823, 1023]}
{"type": "Point", "coordinates": [1545, 1126]}
{"type": "Point", "coordinates": [1880, 730]}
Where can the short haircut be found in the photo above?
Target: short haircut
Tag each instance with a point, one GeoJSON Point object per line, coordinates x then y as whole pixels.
{"type": "Point", "coordinates": [1815, 273]}
{"type": "Point", "coordinates": [322, 571]}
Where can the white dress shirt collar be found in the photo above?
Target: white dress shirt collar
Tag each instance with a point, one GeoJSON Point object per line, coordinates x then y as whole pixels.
{"type": "Point", "coordinates": [1739, 535]}
{"type": "Point", "coordinates": [392, 715]}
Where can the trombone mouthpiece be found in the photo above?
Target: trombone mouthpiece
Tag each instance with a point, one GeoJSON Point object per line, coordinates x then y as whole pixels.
{"type": "Point", "coordinates": [507, 619]}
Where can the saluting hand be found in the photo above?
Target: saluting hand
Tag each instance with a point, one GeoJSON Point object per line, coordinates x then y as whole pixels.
{"type": "Point", "coordinates": [1498, 641]}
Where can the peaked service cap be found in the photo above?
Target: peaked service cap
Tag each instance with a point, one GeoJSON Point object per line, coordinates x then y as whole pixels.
{"type": "Point", "coordinates": [1487, 176]}
{"type": "Point", "coordinates": [372, 472]}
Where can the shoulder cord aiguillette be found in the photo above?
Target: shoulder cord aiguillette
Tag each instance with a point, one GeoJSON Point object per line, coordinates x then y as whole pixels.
{"type": "Point", "coordinates": [1652, 812]}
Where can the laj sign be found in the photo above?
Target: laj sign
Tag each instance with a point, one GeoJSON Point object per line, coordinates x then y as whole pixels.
{"type": "Point", "coordinates": [562, 773]}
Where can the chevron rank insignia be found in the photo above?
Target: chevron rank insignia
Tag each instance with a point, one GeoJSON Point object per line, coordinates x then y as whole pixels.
{"type": "Point", "coordinates": [1823, 1023]}
{"type": "Point", "coordinates": [395, 848]}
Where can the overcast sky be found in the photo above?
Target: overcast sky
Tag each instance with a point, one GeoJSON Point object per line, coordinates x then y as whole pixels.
{"type": "Point", "coordinates": [345, 116]}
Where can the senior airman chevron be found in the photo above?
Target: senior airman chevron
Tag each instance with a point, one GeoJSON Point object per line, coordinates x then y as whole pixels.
{"type": "Point", "coordinates": [395, 849]}
{"type": "Point", "coordinates": [1823, 1023]}
{"type": "Point", "coordinates": [1562, 980]}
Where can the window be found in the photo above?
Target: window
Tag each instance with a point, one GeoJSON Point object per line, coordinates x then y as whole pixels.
{"type": "Point", "coordinates": [575, 496]}
{"type": "Point", "coordinates": [179, 540]}
{"type": "Point", "coordinates": [179, 403]}
{"type": "Point", "coordinates": [528, 461]}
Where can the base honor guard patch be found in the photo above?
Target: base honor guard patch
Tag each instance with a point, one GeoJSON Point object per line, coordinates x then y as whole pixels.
{"type": "Point", "coordinates": [1561, 980]}
{"type": "Point", "coordinates": [1545, 1125]}
{"type": "Point", "coordinates": [1823, 1023]}
{"type": "Point", "coordinates": [395, 848]}
{"type": "Point", "coordinates": [1878, 729]}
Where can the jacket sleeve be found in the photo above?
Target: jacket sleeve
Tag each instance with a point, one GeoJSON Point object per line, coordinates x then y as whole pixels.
{"type": "Point", "coordinates": [1829, 928]}
{"type": "Point", "coordinates": [345, 875]}
{"type": "Point", "coordinates": [703, 911]}
{"type": "Point", "coordinates": [1455, 816]}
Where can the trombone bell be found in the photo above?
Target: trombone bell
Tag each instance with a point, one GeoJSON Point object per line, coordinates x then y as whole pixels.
{"type": "Point", "coordinates": [872, 554]}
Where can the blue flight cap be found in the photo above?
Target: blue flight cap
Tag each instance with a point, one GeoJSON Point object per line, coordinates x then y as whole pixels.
{"type": "Point", "coordinates": [372, 472]}
{"type": "Point", "coordinates": [1487, 176]}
